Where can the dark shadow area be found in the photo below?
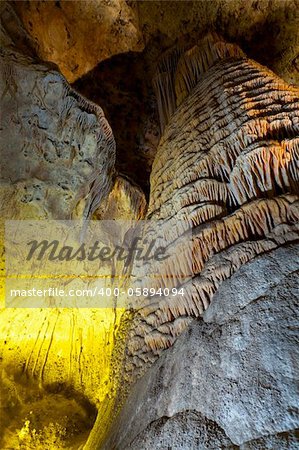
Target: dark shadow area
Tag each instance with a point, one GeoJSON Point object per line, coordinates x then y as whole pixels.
{"type": "Point", "coordinates": [35, 417]}
{"type": "Point", "coordinates": [122, 86]}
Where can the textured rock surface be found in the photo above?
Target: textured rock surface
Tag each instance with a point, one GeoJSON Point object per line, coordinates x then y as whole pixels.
{"type": "Point", "coordinates": [229, 381]}
{"type": "Point", "coordinates": [191, 431]}
{"type": "Point", "coordinates": [226, 168]}
{"type": "Point", "coordinates": [77, 35]}
{"type": "Point", "coordinates": [266, 29]}
{"type": "Point", "coordinates": [57, 161]}
{"type": "Point", "coordinates": [61, 148]}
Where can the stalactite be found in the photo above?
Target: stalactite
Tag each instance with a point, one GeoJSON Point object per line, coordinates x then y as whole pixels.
{"type": "Point", "coordinates": [196, 61]}
{"type": "Point", "coordinates": [163, 84]}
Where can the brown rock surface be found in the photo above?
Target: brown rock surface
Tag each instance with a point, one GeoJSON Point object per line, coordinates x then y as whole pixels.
{"type": "Point", "coordinates": [266, 29]}
{"type": "Point", "coordinates": [77, 35]}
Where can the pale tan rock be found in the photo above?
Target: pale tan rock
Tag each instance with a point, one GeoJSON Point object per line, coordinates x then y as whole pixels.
{"type": "Point", "coordinates": [125, 202]}
{"type": "Point", "coordinates": [57, 148]}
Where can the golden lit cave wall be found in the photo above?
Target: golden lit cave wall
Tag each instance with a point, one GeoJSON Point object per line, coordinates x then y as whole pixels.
{"type": "Point", "coordinates": [59, 164]}
{"type": "Point", "coordinates": [62, 350]}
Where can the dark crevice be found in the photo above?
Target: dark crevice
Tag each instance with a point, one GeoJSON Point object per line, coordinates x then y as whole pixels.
{"type": "Point", "coordinates": [122, 86]}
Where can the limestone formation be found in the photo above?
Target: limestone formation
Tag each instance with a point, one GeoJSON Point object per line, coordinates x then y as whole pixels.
{"type": "Point", "coordinates": [266, 30]}
{"type": "Point", "coordinates": [61, 148]}
{"type": "Point", "coordinates": [226, 171]}
{"type": "Point", "coordinates": [230, 380]}
{"type": "Point", "coordinates": [226, 168]}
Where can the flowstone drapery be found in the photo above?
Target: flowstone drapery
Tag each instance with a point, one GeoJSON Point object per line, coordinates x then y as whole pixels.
{"type": "Point", "coordinates": [227, 169]}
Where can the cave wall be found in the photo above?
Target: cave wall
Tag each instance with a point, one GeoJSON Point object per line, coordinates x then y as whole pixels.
{"type": "Point", "coordinates": [78, 35]}
{"type": "Point", "coordinates": [57, 162]}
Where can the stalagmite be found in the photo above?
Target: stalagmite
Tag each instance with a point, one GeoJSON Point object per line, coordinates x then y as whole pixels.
{"type": "Point", "coordinates": [225, 171]}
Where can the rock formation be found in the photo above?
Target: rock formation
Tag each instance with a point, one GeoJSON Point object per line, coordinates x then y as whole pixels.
{"type": "Point", "coordinates": [62, 32]}
{"type": "Point", "coordinates": [61, 148]}
{"type": "Point", "coordinates": [229, 380]}
{"type": "Point", "coordinates": [226, 168]}
{"type": "Point", "coordinates": [215, 367]}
